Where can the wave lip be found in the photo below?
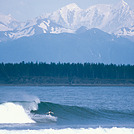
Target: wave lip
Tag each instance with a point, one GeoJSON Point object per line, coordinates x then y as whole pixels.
{"type": "Point", "coordinates": [13, 113]}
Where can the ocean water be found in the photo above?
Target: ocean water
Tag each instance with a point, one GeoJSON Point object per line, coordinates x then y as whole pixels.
{"type": "Point", "coordinates": [77, 110]}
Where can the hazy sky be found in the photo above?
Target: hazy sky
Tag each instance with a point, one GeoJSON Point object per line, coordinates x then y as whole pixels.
{"type": "Point", "coordinates": [28, 9]}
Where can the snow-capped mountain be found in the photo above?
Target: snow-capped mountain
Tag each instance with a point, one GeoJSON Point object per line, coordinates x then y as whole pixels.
{"type": "Point", "coordinates": [71, 16]}
{"type": "Point", "coordinates": [117, 19]}
{"type": "Point", "coordinates": [66, 16]}
{"type": "Point", "coordinates": [125, 31]}
{"type": "Point", "coordinates": [105, 17]}
{"type": "Point", "coordinates": [121, 16]}
{"type": "Point", "coordinates": [7, 23]}
{"type": "Point", "coordinates": [37, 26]}
{"type": "Point", "coordinates": [33, 27]}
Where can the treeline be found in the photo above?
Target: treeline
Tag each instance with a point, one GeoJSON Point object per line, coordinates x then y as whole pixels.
{"type": "Point", "coordinates": [68, 70]}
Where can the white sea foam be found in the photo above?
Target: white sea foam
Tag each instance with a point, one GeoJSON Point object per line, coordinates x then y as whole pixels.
{"type": "Point", "coordinates": [51, 118]}
{"type": "Point", "coordinates": [13, 113]}
{"type": "Point", "coordinates": [72, 131]}
{"type": "Point", "coordinates": [44, 118]}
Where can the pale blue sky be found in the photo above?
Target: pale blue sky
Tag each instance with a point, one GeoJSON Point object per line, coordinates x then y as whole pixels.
{"type": "Point", "coordinates": [28, 9]}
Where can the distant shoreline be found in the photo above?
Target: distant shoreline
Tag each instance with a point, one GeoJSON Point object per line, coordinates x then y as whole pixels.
{"type": "Point", "coordinates": [66, 74]}
{"type": "Point", "coordinates": [64, 81]}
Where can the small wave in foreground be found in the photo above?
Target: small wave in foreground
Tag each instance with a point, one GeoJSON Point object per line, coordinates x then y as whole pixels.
{"type": "Point", "coordinates": [72, 131]}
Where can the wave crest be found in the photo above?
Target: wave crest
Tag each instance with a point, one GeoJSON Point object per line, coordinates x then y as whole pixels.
{"type": "Point", "coordinates": [13, 113]}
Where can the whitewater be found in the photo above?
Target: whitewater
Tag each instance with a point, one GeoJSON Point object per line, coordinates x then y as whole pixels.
{"type": "Point", "coordinates": [11, 113]}
{"type": "Point", "coordinates": [73, 131]}
{"type": "Point", "coordinates": [77, 110]}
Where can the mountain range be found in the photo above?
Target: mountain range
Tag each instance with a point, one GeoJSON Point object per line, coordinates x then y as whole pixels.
{"type": "Point", "coordinates": [94, 46]}
{"type": "Point", "coordinates": [100, 33]}
{"type": "Point", "coordinates": [114, 19]}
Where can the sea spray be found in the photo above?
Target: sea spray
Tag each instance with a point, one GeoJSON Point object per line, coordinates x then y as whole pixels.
{"type": "Point", "coordinates": [30, 104]}
{"type": "Point", "coordinates": [13, 113]}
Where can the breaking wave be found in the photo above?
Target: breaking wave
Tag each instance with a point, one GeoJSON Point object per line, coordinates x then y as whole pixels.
{"type": "Point", "coordinates": [100, 130]}
{"type": "Point", "coordinates": [18, 111]}
{"type": "Point", "coordinates": [35, 112]}
{"type": "Point", "coordinates": [84, 116]}
{"type": "Point", "coordinates": [13, 113]}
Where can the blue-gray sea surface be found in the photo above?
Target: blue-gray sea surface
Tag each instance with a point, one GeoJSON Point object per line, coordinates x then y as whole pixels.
{"type": "Point", "coordinates": [76, 109]}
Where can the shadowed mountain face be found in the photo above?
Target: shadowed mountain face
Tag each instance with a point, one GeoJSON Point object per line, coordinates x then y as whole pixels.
{"type": "Point", "coordinates": [85, 46]}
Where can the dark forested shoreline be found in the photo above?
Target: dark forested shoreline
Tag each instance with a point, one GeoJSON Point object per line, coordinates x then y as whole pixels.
{"type": "Point", "coordinates": [65, 74]}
